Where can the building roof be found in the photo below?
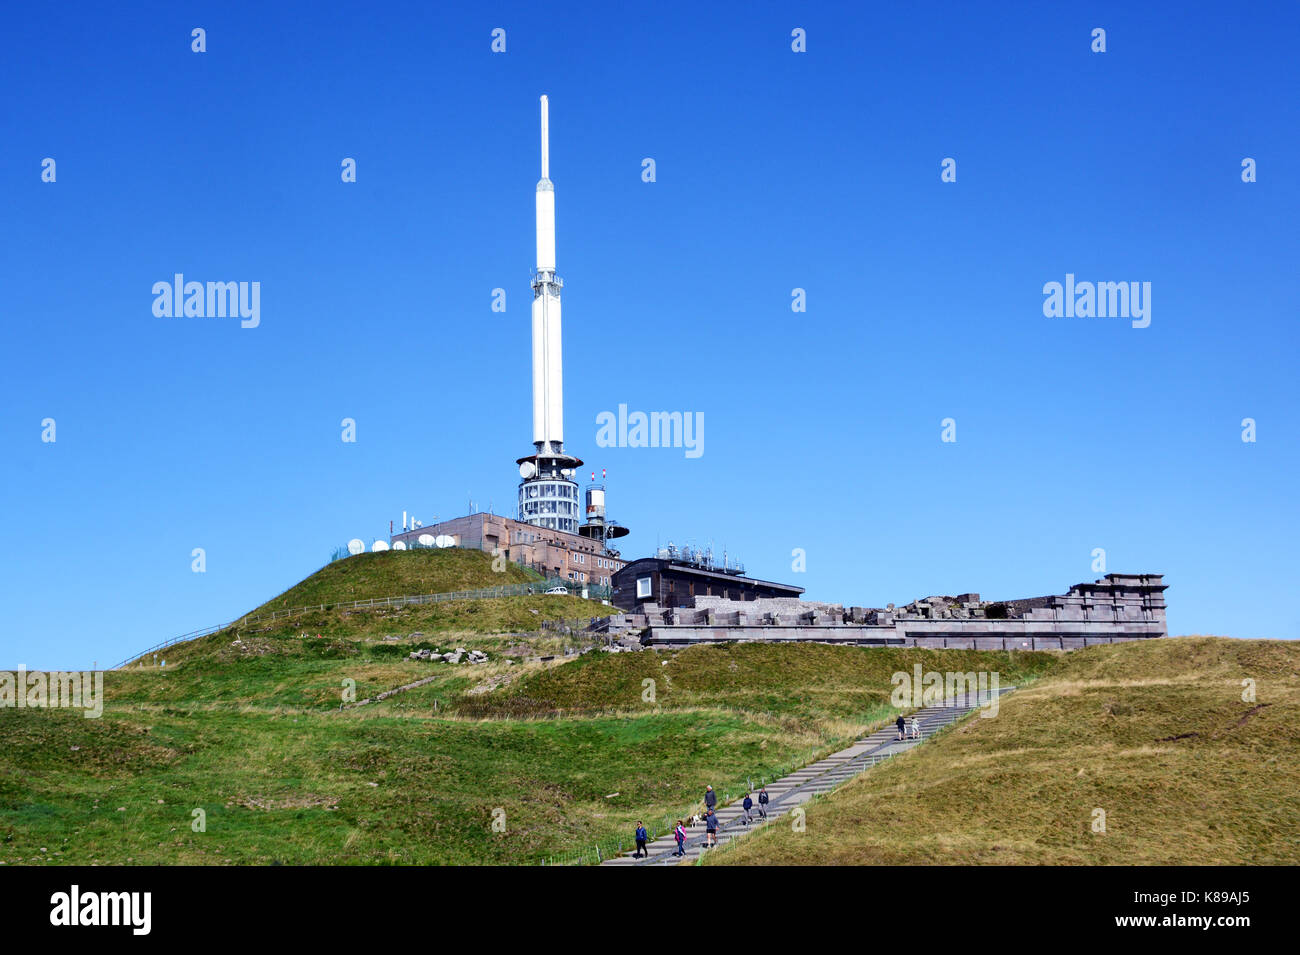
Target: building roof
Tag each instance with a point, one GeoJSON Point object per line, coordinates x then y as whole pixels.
{"type": "Point", "coordinates": [664, 563]}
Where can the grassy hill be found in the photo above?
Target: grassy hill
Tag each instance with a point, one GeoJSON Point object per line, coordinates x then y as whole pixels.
{"type": "Point", "coordinates": [804, 682]}
{"type": "Point", "coordinates": [1155, 734]}
{"type": "Point", "coordinates": [253, 735]}
{"type": "Point", "coordinates": [398, 573]}
{"type": "Point", "coordinates": [248, 725]}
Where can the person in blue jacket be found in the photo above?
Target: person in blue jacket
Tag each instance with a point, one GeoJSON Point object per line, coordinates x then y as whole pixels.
{"type": "Point", "coordinates": [749, 809]}
{"type": "Point", "coordinates": [641, 838]}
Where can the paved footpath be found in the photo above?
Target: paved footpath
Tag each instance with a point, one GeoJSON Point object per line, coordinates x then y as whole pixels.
{"type": "Point", "coordinates": [801, 785]}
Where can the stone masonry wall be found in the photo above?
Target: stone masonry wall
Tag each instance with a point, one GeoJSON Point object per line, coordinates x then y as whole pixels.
{"type": "Point", "coordinates": [1117, 608]}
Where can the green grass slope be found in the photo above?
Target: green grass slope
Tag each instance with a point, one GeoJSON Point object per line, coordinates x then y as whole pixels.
{"type": "Point", "coordinates": [1155, 734]}
{"type": "Point", "coordinates": [398, 573]}
{"type": "Point", "coordinates": [302, 662]}
{"type": "Point", "coordinates": [805, 681]}
{"type": "Point", "coordinates": [248, 728]}
{"type": "Point", "coordinates": [309, 789]}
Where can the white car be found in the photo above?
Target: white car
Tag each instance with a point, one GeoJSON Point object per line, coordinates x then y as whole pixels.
{"type": "Point", "coordinates": [560, 591]}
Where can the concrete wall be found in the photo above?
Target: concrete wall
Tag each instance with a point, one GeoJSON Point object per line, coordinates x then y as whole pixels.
{"type": "Point", "coordinates": [869, 636]}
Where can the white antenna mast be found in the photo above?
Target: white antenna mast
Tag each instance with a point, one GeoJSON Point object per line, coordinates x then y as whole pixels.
{"type": "Point", "coordinates": [546, 140]}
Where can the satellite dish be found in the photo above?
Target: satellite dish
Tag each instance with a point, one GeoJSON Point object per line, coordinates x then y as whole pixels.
{"type": "Point", "coordinates": [442, 540]}
{"type": "Point", "coordinates": [399, 545]}
{"type": "Point", "coordinates": [355, 546]}
{"type": "Point", "coordinates": [377, 546]}
{"type": "Point", "coordinates": [527, 470]}
{"type": "Point", "coordinates": [425, 540]}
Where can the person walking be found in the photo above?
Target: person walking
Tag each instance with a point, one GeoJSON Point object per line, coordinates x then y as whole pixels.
{"type": "Point", "coordinates": [762, 802]}
{"type": "Point", "coordinates": [710, 829]}
{"type": "Point", "coordinates": [900, 722]}
{"type": "Point", "coordinates": [749, 808]}
{"type": "Point", "coordinates": [710, 798]}
{"type": "Point", "coordinates": [680, 835]}
{"type": "Point", "coordinates": [641, 837]}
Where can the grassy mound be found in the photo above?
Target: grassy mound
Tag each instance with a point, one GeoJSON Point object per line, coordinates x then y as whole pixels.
{"type": "Point", "coordinates": [344, 790]}
{"type": "Point", "coordinates": [254, 726]}
{"type": "Point", "coordinates": [1155, 735]}
{"type": "Point", "coordinates": [398, 573]}
{"type": "Point", "coordinates": [813, 681]}
{"type": "Point", "coordinates": [248, 726]}
{"type": "Point", "coordinates": [302, 661]}
{"type": "Point", "coordinates": [253, 735]}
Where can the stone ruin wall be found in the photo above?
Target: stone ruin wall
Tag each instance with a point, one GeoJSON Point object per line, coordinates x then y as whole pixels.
{"type": "Point", "coordinates": [1118, 607]}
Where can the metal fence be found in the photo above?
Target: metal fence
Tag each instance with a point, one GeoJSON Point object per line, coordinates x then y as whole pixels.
{"type": "Point", "coordinates": [505, 590]}
{"type": "Point", "coordinates": [594, 591]}
{"type": "Point", "coordinates": [611, 847]}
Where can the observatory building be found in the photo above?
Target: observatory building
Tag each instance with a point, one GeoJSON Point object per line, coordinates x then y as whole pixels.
{"type": "Point", "coordinates": [677, 576]}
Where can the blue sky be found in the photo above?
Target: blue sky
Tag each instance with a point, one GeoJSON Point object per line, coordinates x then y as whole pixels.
{"type": "Point", "coordinates": [775, 170]}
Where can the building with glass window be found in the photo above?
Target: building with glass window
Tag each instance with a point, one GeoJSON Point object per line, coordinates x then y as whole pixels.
{"type": "Point", "coordinates": [670, 582]}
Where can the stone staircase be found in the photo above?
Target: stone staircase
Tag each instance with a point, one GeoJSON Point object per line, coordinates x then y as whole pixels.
{"type": "Point", "coordinates": [802, 784]}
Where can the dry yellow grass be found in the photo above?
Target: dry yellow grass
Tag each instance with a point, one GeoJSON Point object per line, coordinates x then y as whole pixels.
{"type": "Point", "coordinates": [1157, 736]}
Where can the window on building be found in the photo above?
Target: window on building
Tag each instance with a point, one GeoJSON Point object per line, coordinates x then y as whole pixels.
{"type": "Point", "coordinates": [642, 587]}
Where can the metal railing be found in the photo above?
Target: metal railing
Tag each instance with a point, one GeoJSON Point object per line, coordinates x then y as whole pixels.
{"type": "Point", "coordinates": [504, 590]}
{"type": "Point", "coordinates": [193, 635]}
{"type": "Point", "coordinates": [613, 846]}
